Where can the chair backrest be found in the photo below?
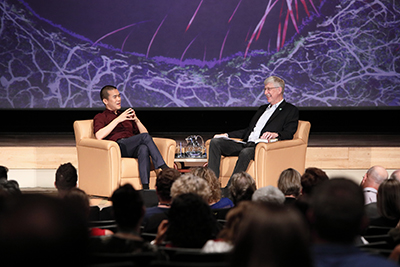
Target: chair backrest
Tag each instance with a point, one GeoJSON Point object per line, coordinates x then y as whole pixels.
{"type": "Point", "coordinates": [83, 129]}
{"type": "Point", "coordinates": [303, 131]}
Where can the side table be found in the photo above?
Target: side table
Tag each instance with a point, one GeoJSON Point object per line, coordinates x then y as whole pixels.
{"type": "Point", "coordinates": [183, 165]}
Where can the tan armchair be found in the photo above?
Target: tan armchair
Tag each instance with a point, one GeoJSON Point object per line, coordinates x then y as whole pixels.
{"type": "Point", "coordinates": [100, 165]}
{"type": "Point", "coordinates": [272, 158]}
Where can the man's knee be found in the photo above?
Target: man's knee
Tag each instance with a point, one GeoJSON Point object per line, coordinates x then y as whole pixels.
{"type": "Point", "coordinates": [216, 143]}
{"type": "Point", "coordinates": [145, 137]}
{"type": "Point", "coordinates": [247, 152]}
{"type": "Point", "coordinates": [143, 150]}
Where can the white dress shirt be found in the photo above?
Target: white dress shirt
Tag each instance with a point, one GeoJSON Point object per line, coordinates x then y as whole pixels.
{"type": "Point", "coordinates": [255, 134]}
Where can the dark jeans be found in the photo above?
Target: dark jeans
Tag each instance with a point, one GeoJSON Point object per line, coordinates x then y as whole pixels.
{"type": "Point", "coordinates": [141, 146]}
{"type": "Point", "coordinates": [223, 147]}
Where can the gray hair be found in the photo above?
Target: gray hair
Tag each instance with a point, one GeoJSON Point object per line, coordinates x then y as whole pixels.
{"type": "Point", "coordinates": [269, 194]}
{"type": "Point", "coordinates": [277, 81]}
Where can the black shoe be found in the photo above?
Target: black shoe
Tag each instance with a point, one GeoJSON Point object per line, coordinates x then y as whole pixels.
{"type": "Point", "coordinates": [145, 186]}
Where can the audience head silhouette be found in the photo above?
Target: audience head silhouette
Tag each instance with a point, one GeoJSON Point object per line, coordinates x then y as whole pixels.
{"type": "Point", "coordinates": [337, 211]}
{"type": "Point", "coordinates": [271, 235]}
{"type": "Point", "coordinates": [128, 208]}
{"type": "Point", "coordinates": [42, 230]}
{"type": "Point", "coordinates": [190, 222]}
{"type": "Point", "coordinates": [66, 177]}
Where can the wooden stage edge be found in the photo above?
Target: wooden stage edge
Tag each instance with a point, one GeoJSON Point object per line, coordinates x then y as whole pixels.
{"type": "Point", "coordinates": [333, 152]}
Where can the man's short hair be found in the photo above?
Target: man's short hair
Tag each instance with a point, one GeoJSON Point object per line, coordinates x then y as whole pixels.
{"type": "Point", "coordinates": [66, 176]}
{"type": "Point", "coordinates": [104, 91]}
{"type": "Point", "coordinates": [164, 182]}
{"type": "Point", "coordinates": [274, 79]}
{"type": "Point", "coordinates": [127, 205]}
{"type": "Point", "coordinates": [337, 206]}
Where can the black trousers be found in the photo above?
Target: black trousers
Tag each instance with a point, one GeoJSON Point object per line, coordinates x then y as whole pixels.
{"type": "Point", "coordinates": [223, 147]}
{"type": "Point", "coordinates": [141, 147]}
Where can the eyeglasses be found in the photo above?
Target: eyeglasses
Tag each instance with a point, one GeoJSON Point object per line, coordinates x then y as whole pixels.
{"type": "Point", "coordinates": [270, 88]}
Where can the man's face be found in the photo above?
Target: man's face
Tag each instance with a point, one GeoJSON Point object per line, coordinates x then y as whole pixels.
{"type": "Point", "coordinates": [273, 93]}
{"type": "Point", "coordinates": [113, 102]}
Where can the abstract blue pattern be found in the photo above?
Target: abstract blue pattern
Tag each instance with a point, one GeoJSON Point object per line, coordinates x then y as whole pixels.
{"type": "Point", "coordinates": [203, 54]}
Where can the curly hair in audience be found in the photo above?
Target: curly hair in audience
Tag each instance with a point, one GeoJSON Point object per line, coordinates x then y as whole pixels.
{"type": "Point", "coordinates": [212, 180]}
{"type": "Point", "coordinates": [189, 183]}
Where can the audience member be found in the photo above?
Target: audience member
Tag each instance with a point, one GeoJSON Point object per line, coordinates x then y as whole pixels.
{"type": "Point", "coordinates": [242, 187]}
{"type": "Point", "coordinates": [215, 201]}
{"type": "Point", "coordinates": [8, 189]}
{"type": "Point", "coordinates": [189, 183]}
{"type": "Point", "coordinates": [3, 173]}
{"type": "Point", "coordinates": [271, 235]}
{"type": "Point", "coordinates": [37, 229]}
{"type": "Point", "coordinates": [269, 194]}
{"type": "Point", "coordinates": [312, 177]}
{"type": "Point", "coordinates": [66, 178]}
{"type": "Point", "coordinates": [395, 175]}
{"type": "Point", "coordinates": [388, 203]}
{"type": "Point", "coordinates": [289, 183]}
{"type": "Point", "coordinates": [227, 236]}
{"type": "Point", "coordinates": [190, 223]}
{"type": "Point", "coordinates": [78, 200]}
{"type": "Point", "coordinates": [371, 182]}
{"type": "Point", "coordinates": [128, 210]}
{"type": "Point", "coordinates": [337, 216]}
{"type": "Point", "coordinates": [154, 215]}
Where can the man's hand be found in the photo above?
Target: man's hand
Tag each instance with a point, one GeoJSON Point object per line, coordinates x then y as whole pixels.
{"type": "Point", "coordinates": [128, 114]}
{"type": "Point", "coordinates": [269, 135]}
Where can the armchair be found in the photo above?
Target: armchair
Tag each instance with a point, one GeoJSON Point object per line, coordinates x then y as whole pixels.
{"type": "Point", "coordinates": [272, 158]}
{"type": "Point", "coordinates": [101, 168]}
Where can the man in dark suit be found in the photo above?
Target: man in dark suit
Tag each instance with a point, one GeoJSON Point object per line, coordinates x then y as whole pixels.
{"type": "Point", "coordinates": [276, 120]}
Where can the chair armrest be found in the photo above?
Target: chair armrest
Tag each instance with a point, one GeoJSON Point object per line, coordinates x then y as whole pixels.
{"type": "Point", "coordinates": [99, 144]}
{"type": "Point", "coordinates": [167, 148]}
{"type": "Point", "coordinates": [280, 144]}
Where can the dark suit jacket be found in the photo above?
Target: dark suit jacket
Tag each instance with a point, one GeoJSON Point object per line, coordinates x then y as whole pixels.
{"type": "Point", "coordinates": [283, 121]}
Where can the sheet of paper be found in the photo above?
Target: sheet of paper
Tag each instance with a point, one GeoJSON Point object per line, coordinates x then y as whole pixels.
{"type": "Point", "coordinates": [227, 138]}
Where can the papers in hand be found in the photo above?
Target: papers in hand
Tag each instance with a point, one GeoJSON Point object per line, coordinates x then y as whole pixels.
{"type": "Point", "coordinates": [227, 138]}
{"type": "Point", "coordinates": [260, 140]}
{"type": "Point", "coordinates": [266, 140]}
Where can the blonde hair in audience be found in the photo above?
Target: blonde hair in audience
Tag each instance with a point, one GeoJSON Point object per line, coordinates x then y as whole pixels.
{"type": "Point", "coordinates": [189, 183]}
{"type": "Point", "coordinates": [212, 180]}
